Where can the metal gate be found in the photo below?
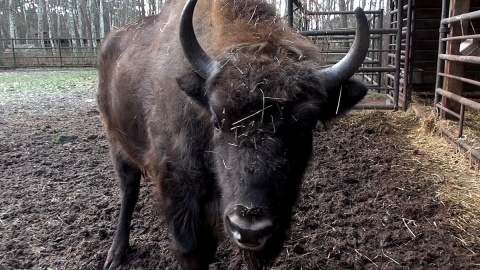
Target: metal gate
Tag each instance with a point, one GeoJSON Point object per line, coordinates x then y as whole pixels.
{"type": "Point", "coordinates": [377, 72]}
{"type": "Point", "coordinates": [458, 55]}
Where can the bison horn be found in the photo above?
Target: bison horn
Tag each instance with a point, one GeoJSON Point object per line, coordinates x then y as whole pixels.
{"type": "Point", "coordinates": [203, 64]}
{"type": "Point", "coordinates": [349, 64]}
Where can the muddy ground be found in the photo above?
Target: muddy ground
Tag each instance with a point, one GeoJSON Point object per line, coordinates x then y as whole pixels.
{"type": "Point", "coordinates": [368, 200]}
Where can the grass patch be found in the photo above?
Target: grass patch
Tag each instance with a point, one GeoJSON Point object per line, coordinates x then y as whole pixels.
{"type": "Point", "coordinates": [15, 82]}
{"type": "Point", "coordinates": [375, 95]}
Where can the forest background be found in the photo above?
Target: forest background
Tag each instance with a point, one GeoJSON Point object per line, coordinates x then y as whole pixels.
{"type": "Point", "coordinates": [92, 19]}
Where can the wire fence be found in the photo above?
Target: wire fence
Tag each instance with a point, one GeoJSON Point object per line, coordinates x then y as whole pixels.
{"type": "Point", "coordinates": [58, 52]}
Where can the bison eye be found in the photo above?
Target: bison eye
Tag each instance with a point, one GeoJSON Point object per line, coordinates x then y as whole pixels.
{"type": "Point", "coordinates": [217, 114]}
{"type": "Point", "coordinates": [216, 124]}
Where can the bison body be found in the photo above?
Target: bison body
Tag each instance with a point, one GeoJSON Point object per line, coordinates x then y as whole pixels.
{"type": "Point", "coordinates": [217, 106]}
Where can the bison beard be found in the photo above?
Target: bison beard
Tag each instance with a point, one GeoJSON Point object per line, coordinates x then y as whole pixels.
{"type": "Point", "coordinates": [227, 138]}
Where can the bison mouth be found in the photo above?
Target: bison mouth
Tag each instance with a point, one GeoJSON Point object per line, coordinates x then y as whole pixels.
{"type": "Point", "coordinates": [249, 231]}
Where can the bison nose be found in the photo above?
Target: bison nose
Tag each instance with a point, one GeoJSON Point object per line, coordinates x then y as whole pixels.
{"type": "Point", "coordinates": [250, 228]}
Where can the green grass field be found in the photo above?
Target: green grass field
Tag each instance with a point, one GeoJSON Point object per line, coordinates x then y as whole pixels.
{"type": "Point", "coordinates": [20, 81]}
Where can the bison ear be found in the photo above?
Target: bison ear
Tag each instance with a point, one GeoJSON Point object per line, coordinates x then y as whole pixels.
{"type": "Point", "coordinates": [341, 99]}
{"type": "Point", "coordinates": [193, 86]}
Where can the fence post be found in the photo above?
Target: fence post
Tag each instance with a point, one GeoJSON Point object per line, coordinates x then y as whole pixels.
{"type": "Point", "coordinates": [13, 54]}
{"type": "Point", "coordinates": [60, 51]}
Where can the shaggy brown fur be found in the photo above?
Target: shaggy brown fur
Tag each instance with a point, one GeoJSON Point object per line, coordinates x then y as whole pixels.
{"type": "Point", "coordinates": [240, 137]}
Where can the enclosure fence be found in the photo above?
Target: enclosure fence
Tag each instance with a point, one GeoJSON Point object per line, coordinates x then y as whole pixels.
{"type": "Point", "coordinates": [458, 47]}
{"type": "Point", "coordinates": [378, 73]}
{"type": "Point", "coordinates": [58, 52]}
{"type": "Point", "coordinates": [335, 43]}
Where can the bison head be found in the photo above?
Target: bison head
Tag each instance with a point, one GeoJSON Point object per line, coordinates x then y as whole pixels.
{"type": "Point", "coordinates": [264, 102]}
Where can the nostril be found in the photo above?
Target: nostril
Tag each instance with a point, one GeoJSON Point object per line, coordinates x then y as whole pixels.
{"type": "Point", "coordinates": [255, 219]}
{"type": "Point", "coordinates": [251, 213]}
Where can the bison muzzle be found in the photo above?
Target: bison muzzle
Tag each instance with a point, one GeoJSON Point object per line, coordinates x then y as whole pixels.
{"type": "Point", "coordinates": [217, 104]}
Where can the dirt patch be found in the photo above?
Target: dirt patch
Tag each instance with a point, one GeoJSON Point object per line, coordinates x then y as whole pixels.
{"type": "Point", "coordinates": [369, 200]}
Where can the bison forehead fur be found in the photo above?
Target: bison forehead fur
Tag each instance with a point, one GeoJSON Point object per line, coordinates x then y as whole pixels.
{"type": "Point", "coordinates": [217, 107]}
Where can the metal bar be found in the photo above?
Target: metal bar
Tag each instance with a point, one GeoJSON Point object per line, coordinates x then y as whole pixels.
{"type": "Point", "coordinates": [13, 54]}
{"type": "Point", "coordinates": [462, 17]}
{"type": "Point", "coordinates": [60, 52]}
{"type": "Point", "coordinates": [470, 81]}
{"type": "Point", "coordinates": [341, 12]}
{"type": "Point", "coordinates": [442, 48]}
{"type": "Point", "coordinates": [380, 44]}
{"type": "Point", "coordinates": [379, 69]}
{"type": "Point", "coordinates": [290, 12]}
{"type": "Point", "coordinates": [408, 68]}
{"type": "Point", "coordinates": [335, 38]}
{"type": "Point", "coordinates": [398, 55]}
{"type": "Point", "coordinates": [460, 37]}
{"type": "Point", "coordinates": [345, 51]}
{"type": "Point", "coordinates": [377, 88]}
{"type": "Point", "coordinates": [345, 32]}
{"type": "Point", "coordinates": [474, 153]}
{"type": "Point", "coordinates": [445, 109]}
{"type": "Point", "coordinates": [461, 120]}
{"type": "Point", "coordinates": [373, 107]}
{"type": "Point", "coordinates": [366, 62]}
{"type": "Point", "coordinates": [462, 100]}
{"type": "Point", "coordinates": [460, 58]}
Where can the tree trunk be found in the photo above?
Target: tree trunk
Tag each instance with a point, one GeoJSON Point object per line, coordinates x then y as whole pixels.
{"type": "Point", "coordinates": [25, 21]}
{"type": "Point", "coordinates": [11, 21]}
{"type": "Point", "coordinates": [81, 32]}
{"type": "Point", "coordinates": [343, 19]}
{"type": "Point", "coordinates": [40, 13]}
{"type": "Point", "coordinates": [50, 26]}
{"type": "Point", "coordinates": [71, 24]}
{"type": "Point", "coordinates": [100, 17]}
{"type": "Point", "coordinates": [59, 23]}
{"type": "Point", "coordinates": [91, 8]}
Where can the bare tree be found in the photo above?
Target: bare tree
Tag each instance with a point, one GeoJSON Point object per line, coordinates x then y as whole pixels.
{"type": "Point", "coordinates": [101, 19]}
{"type": "Point", "coordinates": [23, 9]}
{"type": "Point", "coordinates": [40, 12]}
{"type": "Point", "coordinates": [50, 25]}
{"type": "Point", "coordinates": [80, 20]}
{"type": "Point", "coordinates": [71, 24]}
{"type": "Point", "coordinates": [11, 21]}
{"type": "Point", "coordinates": [142, 8]}
{"type": "Point", "coordinates": [91, 9]}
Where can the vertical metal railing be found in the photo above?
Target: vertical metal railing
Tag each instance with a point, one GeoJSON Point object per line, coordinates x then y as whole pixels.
{"type": "Point", "coordinates": [440, 92]}
{"type": "Point", "coordinates": [373, 67]}
{"type": "Point", "coordinates": [398, 53]}
{"type": "Point", "coordinates": [401, 18]}
{"type": "Point", "coordinates": [408, 69]}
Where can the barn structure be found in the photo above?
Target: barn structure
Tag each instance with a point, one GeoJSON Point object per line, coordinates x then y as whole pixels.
{"type": "Point", "coordinates": [440, 54]}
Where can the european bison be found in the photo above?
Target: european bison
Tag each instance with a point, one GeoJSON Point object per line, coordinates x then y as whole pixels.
{"type": "Point", "coordinates": [223, 128]}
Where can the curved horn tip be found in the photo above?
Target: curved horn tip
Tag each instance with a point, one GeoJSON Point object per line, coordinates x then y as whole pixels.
{"type": "Point", "coordinates": [359, 11]}
{"type": "Point", "coordinates": [201, 62]}
{"type": "Point", "coordinates": [347, 66]}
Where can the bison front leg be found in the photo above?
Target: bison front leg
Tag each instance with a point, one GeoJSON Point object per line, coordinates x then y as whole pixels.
{"type": "Point", "coordinates": [193, 232]}
{"type": "Point", "coordinates": [129, 182]}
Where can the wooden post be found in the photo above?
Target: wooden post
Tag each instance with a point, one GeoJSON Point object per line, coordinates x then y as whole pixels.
{"type": "Point", "coordinates": [457, 7]}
